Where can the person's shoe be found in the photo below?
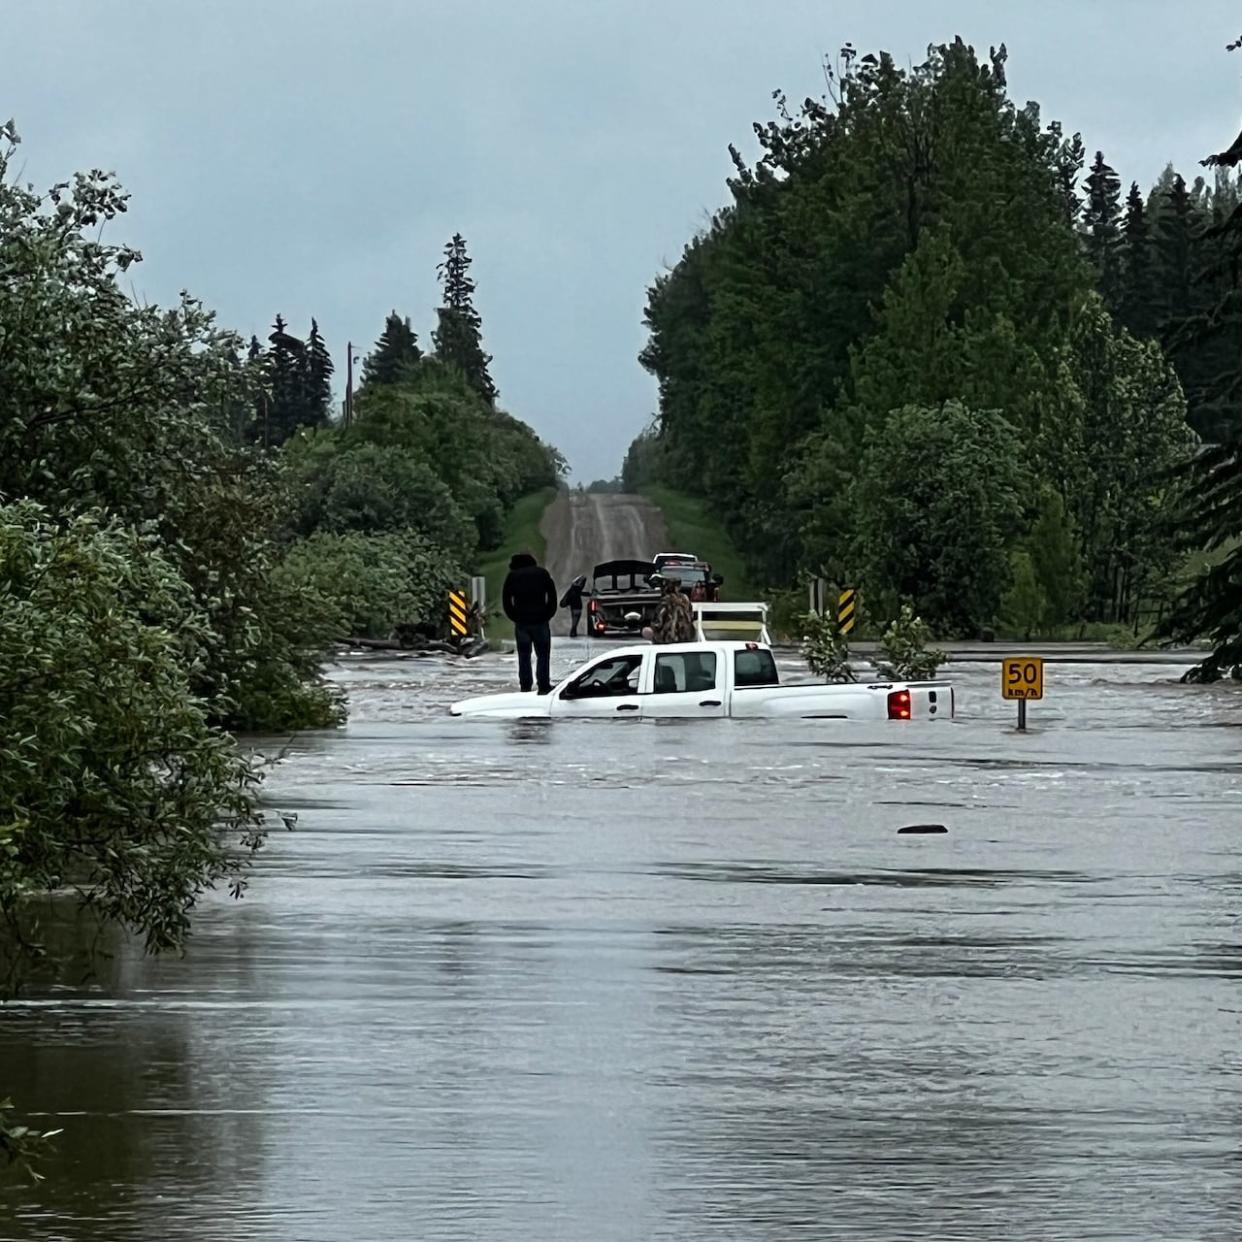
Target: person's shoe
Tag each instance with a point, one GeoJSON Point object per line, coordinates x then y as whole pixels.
{"type": "Point", "coordinates": [546, 690]}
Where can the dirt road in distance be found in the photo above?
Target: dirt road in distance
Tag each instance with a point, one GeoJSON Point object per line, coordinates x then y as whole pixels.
{"type": "Point", "coordinates": [582, 530]}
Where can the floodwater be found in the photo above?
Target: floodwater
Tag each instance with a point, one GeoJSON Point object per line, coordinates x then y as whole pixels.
{"type": "Point", "coordinates": [683, 980]}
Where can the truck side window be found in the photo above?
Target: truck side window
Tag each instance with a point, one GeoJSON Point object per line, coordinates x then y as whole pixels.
{"type": "Point", "coordinates": [682, 672]}
{"type": "Point", "coordinates": [755, 668]}
{"type": "Point", "coordinates": [618, 675]}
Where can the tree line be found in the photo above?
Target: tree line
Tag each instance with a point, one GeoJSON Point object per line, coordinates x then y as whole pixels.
{"type": "Point", "coordinates": [185, 529]}
{"type": "Point", "coordinates": [926, 350]}
{"type": "Point", "coordinates": [1209, 607]}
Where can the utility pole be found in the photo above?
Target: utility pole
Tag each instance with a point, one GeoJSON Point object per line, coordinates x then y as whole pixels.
{"type": "Point", "coordinates": [349, 383]}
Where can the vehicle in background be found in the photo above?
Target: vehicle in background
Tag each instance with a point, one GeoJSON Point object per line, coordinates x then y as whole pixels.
{"type": "Point", "coordinates": [696, 578]}
{"type": "Point", "coordinates": [622, 599]}
{"type": "Point", "coordinates": [662, 558]}
{"type": "Point", "coordinates": [692, 680]}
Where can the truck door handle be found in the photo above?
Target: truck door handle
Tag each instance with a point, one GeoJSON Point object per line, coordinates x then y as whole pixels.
{"type": "Point", "coordinates": [710, 703]}
{"type": "Point", "coordinates": [627, 707]}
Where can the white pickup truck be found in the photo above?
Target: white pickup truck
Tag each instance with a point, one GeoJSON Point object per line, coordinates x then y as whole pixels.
{"type": "Point", "coordinates": [706, 679]}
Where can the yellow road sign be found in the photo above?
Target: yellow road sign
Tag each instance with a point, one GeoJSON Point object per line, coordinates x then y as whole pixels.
{"type": "Point", "coordinates": [1022, 677]}
{"type": "Point", "coordinates": [847, 610]}
{"type": "Point", "coordinates": [457, 614]}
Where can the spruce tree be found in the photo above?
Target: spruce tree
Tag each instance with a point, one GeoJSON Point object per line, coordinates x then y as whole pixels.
{"type": "Point", "coordinates": [1211, 607]}
{"type": "Point", "coordinates": [1138, 310]}
{"type": "Point", "coordinates": [287, 374]}
{"type": "Point", "coordinates": [1101, 221]}
{"type": "Point", "coordinates": [319, 378]}
{"type": "Point", "coordinates": [1185, 295]}
{"type": "Point", "coordinates": [1176, 227]}
{"type": "Point", "coordinates": [256, 361]}
{"type": "Point", "coordinates": [459, 333]}
{"type": "Point", "coordinates": [395, 355]}
{"type": "Point", "coordinates": [1068, 161]}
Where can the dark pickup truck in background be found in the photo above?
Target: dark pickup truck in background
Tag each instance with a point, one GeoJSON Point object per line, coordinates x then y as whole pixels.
{"type": "Point", "coordinates": [622, 599]}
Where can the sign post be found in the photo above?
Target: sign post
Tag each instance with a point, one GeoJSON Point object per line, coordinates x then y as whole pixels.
{"type": "Point", "coordinates": [819, 593]}
{"type": "Point", "coordinates": [478, 602]}
{"type": "Point", "coordinates": [1022, 679]}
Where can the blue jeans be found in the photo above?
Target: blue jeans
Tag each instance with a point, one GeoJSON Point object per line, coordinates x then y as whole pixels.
{"type": "Point", "coordinates": [539, 637]}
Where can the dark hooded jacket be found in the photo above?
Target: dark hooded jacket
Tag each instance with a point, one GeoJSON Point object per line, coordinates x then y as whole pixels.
{"type": "Point", "coordinates": [529, 594]}
{"type": "Point", "coordinates": [572, 598]}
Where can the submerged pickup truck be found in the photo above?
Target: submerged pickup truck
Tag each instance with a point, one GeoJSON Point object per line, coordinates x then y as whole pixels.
{"type": "Point", "coordinates": [706, 679]}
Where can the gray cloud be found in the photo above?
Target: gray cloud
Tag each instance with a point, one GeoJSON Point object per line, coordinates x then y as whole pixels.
{"type": "Point", "coordinates": [312, 158]}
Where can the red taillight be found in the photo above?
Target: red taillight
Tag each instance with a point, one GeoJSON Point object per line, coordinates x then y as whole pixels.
{"type": "Point", "coordinates": [899, 705]}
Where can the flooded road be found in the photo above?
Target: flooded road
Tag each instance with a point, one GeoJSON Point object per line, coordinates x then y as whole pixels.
{"type": "Point", "coordinates": [635, 980]}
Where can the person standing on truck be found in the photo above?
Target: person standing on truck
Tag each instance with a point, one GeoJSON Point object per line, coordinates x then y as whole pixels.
{"type": "Point", "coordinates": [529, 598]}
{"type": "Point", "coordinates": [674, 618]}
{"type": "Point", "coordinates": [572, 599]}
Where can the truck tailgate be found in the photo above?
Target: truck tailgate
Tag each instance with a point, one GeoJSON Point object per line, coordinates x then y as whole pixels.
{"type": "Point", "coordinates": [930, 700]}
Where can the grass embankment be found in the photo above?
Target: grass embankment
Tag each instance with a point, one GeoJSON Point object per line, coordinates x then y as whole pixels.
{"type": "Point", "coordinates": [691, 528]}
{"type": "Point", "coordinates": [521, 534]}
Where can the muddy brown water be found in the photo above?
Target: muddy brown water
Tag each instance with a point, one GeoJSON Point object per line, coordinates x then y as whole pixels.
{"type": "Point", "coordinates": [626, 980]}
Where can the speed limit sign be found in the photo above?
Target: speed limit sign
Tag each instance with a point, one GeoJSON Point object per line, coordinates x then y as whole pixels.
{"type": "Point", "coordinates": [1022, 677]}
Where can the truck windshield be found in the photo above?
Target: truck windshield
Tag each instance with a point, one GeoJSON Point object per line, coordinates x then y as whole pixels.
{"type": "Point", "coordinates": [686, 574]}
{"type": "Point", "coordinates": [630, 583]}
{"type": "Point", "coordinates": [755, 668]}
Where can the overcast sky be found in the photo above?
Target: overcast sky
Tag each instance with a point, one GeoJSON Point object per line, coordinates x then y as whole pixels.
{"type": "Point", "coordinates": [313, 157]}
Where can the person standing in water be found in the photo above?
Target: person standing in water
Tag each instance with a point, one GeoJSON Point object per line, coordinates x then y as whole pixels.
{"type": "Point", "coordinates": [529, 598]}
{"type": "Point", "coordinates": [674, 618]}
{"type": "Point", "coordinates": [572, 599]}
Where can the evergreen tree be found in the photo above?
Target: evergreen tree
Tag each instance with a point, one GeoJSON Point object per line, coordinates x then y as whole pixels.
{"type": "Point", "coordinates": [1101, 220]}
{"type": "Point", "coordinates": [395, 356]}
{"type": "Point", "coordinates": [1211, 606]}
{"type": "Point", "coordinates": [1068, 162]}
{"type": "Point", "coordinates": [256, 361]}
{"type": "Point", "coordinates": [319, 376]}
{"type": "Point", "coordinates": [459, 334]}
{"type": "Point", "coordinates": [1214, 334]}
{"type": "Point", "coordinates": [287, 376]}
{"type": "Point", "coordinates": [1176, 227]}
{"type": "Point", "coordinates": [1188, 284]}
{"type": "Point", "coordinates": [1137, 309]}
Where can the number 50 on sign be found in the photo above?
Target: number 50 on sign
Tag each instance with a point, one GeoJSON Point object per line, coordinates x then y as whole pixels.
{"type": "Point", "coordinates": [1022, 677]}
